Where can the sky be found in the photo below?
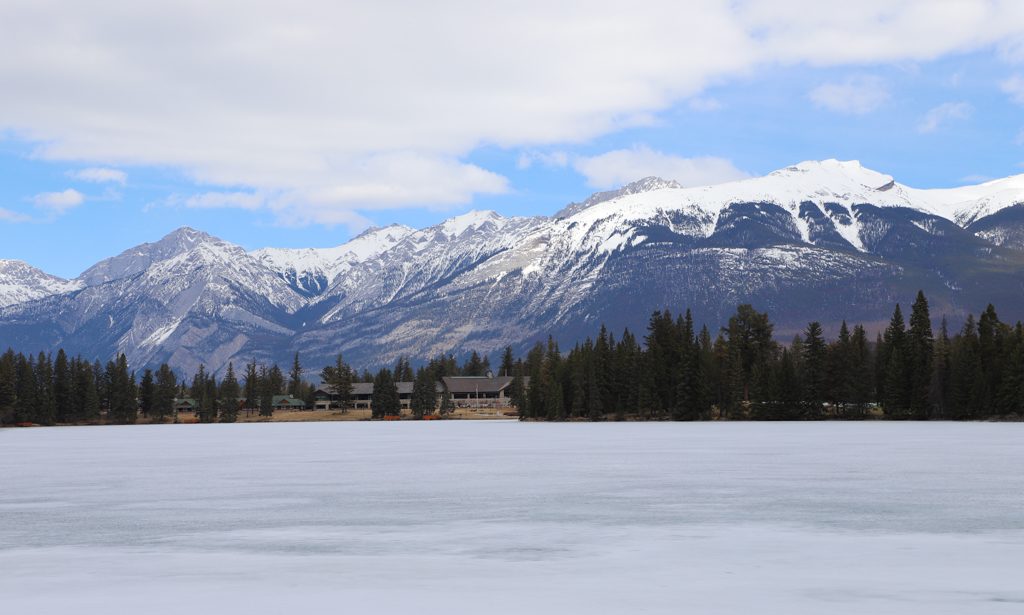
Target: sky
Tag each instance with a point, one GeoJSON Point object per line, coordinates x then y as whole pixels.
{"type": "Point", "coordinates": [302, 124]}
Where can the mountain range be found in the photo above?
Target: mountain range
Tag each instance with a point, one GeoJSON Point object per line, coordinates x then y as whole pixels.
{"type": "Point", "coordinates": [824, 240]}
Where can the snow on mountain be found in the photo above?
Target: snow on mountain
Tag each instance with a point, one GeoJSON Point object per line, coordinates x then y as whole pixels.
{"type": "Point", "coordinates": [820, 238]}
{"type": "Point", "coordinates": [968, 204]}
{"type": "Point", "coordinates": [136, 260]}
{"type": "Point", "coordinates": [312, 270]}
{"type": "Point", "coordinates": [20, 282]}
{"type": "Point", "coordinates": [647, 184]}
{"type": "Point", "coordinates": [423, 258]}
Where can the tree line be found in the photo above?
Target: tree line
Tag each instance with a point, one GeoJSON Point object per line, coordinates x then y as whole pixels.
{"type": "Point", "coordinates": [679, 372]}
{"type": "Point", "coordinates": [45, 389]}
{"type": "Point", "coordinates": [675, 372]}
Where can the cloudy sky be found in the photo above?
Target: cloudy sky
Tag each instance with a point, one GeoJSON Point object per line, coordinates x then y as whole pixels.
{"type": "Point", "coordinates": [301, 123]}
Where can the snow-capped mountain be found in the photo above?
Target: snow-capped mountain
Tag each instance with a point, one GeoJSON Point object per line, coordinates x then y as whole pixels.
{"type": "Point", "coordinates": [825, 240]}
{"type": "Point", "coordinates": [311, 270]}
{"type": "Point", "coordinates": [21, 282]}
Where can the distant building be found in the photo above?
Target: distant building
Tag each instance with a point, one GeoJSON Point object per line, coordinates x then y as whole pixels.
{"type": "Point", "coordinates": [480, 391]}
{"type": "Point", "coordinates": [286, 402]}
{"type": "Point", "coordinates": [185, 404]}
{"type": "Point", "coordinates": [465, 391]}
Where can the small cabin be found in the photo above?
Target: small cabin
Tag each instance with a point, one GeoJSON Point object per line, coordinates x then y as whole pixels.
{"type": "Point", "coordinates": [185, 404]}
{"type": "Point", "coordinates": [287, 402]}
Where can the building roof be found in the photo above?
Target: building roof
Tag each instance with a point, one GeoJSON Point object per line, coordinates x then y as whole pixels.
{"type": "Point", "coordinates": [286, 400]}
{"type": "Point", "coordinates": [477, 384]}
{"type": "Point", "coordinates": [184, 401]}
{"type": "Point", "coordinates": [366, 388]}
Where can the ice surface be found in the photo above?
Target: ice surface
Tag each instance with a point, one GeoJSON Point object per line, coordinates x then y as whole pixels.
{"type": "Point", "coordinates": [503, 517]}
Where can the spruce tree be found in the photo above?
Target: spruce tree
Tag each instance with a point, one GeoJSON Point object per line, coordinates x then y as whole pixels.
{"type": "Point", "coordinates": [862, 392]}
{"type": "Point", "coordinates": [165, 391]}
{"type": "Point", "coordinates": [939, 388]}
{"type": "Point", "coordinates": [63, 388]}
{"type": "Point", "coordinates": [814, 366]}
{"type": "Point", "coordinates": [919, 354]}
{"type": "Point", "coordinates": [424, 394]}
{"type": "Point", "coordinates": [385, 401]}
{"type": "Point", "coordinates": [147, 393]}
{"type": "Point", "coordinates": [895, 377]}
{"type": "Point", "coordinates": [295, 378]}
{"type": "Point", "coordinates": [230, 392]}
{"type": "Point", "coordinates": [251, 387]}
{"type": "Point", "coordinates": [123, 405]}
{"type": "Point", "coordinates": [46, 406]}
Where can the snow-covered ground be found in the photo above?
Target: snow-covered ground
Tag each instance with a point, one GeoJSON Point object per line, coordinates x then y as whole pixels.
{"type": "Point", "coordinates": [502, 517]}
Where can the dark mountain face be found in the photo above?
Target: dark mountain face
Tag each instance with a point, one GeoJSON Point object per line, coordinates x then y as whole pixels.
{"type": "Point", "coordinates": [1004, 228]}
{"type": "Point", "coordinates": [824, 241]}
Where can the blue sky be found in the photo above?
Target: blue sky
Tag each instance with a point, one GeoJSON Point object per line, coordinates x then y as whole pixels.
{"type": "Point", "coordinates": [112, 138]}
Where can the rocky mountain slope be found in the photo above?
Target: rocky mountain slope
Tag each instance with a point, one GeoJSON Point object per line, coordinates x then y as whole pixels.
{"type": "Point", "coordinates": [825, 240]}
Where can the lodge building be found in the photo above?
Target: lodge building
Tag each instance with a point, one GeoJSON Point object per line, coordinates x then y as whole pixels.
{"type": "Point", "coordinates": [465, 392]}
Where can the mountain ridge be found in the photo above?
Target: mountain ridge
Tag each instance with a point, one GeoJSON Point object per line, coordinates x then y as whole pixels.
{"type": "Point", "coordinates": [828, 235]}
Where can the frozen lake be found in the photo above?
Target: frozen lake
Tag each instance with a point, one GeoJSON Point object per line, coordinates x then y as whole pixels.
{"type": "Point", "coordinates": [503, 517]}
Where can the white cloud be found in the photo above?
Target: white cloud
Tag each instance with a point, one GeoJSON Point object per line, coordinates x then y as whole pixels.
{"type": "Point", "coordinates": [343, 104]}
{"type": "Point", "coordinates": [100, 175]}
{"type": "Point", "coordinates": [554, 160]}
{"type": "Point", "coordinates": [7, 215]}
{"type": "Point", "coordinates": [221, 200]}
{"type": "Point", "coordinates": [622, 166]}
{"type": "Point", "coordinates": [1012, 50]}
{"type": "Point", "coordinates": [1014, 86]}
{"type": "Point", "coordinates": [59, 202]}
{"type": "Point", "coordinates": [857, 95]}
{"type": "Point", "coordinates": [937, 116]}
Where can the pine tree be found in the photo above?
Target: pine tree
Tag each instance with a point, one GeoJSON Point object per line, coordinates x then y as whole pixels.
{"type": "Point", "coordinates": [123, 405]}
{"type": "Point", "coordinates": [385, 401]}
{"type": "Point", "coordinates": [919, 353]}
{"type": "Point", "coordinates": [90, 375]}
{"type": "Point", "coordinates": [147, 393]}
{"type": "Point", "coordinates": [517, 389]}
{"type": "Point", "coordinates": [8, 387]}
{"type": "Point", "coordinates": [251, 387]}
{"type": "Point", "coordinates": [165, 391]}
{"type": "Point", "coordinates": [46, 406]}
{"type": "Point", "coordinates": [814, 366]}
{"type": "Point", "coordinates": [424, 393]}
{"type": "Point", "coordinates": [939, 388]}
{"type": "Point", "coordinates": [474, 366]}
{"type": "Point", "coordinates": [230, 391]}
{"type": "Point", "coordinates": [839, 375]}
{"type": "Point", "coordinates": [507, 362]}
{"type": "Point", "coordinates": [295, 378]}
{"type": "Point", "coordinates": [750, 344]}
{"type": "Point", "coordinates": [895, 377]}
{"type": "Point", "coordinates": [862, 371]}
{"type": "Point", "coordinates": [268, 388]}
{"type": "Point", "coordinates": [26, 391]}
{"type": "Point", "coordinates": [63, 388]}
{"type": "Point", "coordinates": [339, 378]}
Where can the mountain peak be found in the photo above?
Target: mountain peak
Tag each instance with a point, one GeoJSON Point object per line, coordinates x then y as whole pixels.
{"type": "Point", "coordinates": [836, 172]}
{"type": "Point", "coordinates": [472, 219]}
{"type": "Point", "coordinates": [376, 230]}
{"type": "Point", "coordinates": [185, 236]}
{"type": "Point", "coordinates": [138, 259]}
{"type": "Point", "coordinates": [21, 282]}
{"type": "Point", "coordinates": [649, 183]}
{"type": "Point", "coordinates": [646, 184]}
